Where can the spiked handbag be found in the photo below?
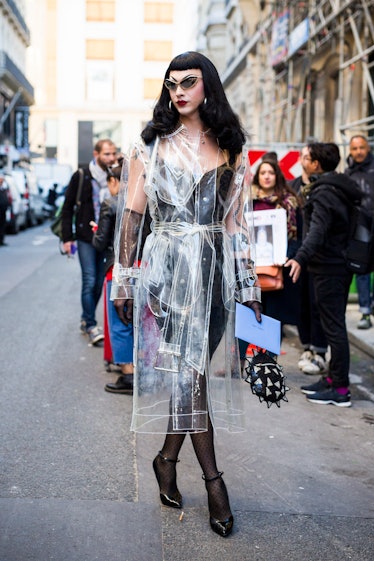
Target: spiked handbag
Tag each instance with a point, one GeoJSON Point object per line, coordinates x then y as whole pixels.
{"type": "Point", "coordinates": [266, 378]}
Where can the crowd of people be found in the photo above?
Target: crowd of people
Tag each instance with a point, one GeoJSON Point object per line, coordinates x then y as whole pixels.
{"type": "Point", "coordinates": [167, 233]}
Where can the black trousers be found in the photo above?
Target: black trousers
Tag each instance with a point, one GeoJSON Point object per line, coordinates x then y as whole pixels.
{"type": "Point", "coordinates": [331, 292]}
{"type": "Point", "coordinates": [309, 327]}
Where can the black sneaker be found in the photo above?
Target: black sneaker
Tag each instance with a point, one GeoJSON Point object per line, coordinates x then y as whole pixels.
{"type": "Point", "coordinates": [331, 397]}
{"type": "Point", "coordinates": [320, 386]}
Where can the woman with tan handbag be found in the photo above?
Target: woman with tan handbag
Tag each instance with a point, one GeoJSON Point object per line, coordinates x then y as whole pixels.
{"type": "Point", "coordinates": [271, 191]}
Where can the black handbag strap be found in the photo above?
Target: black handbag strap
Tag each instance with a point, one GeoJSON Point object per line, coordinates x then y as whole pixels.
{"type": "Point", "coordinates": [79, 190]}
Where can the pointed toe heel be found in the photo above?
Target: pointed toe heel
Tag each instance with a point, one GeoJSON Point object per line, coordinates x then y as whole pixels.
{"type": "Point", "coordinates": [221, 527]}
{"type": "Point", "coordinates": [173, 500]}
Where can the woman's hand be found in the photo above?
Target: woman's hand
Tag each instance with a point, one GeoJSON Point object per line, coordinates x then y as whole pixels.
{"type": "Point", "coordinates": [256, 307]}
{"type": "Point", "coordinates": [124, 310]}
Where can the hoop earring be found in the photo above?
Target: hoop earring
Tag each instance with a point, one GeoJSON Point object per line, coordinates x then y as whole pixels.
{"type": "Point", "coordinates": [170, 105]}
{"type": "Point", "coordinates": [205, 101]}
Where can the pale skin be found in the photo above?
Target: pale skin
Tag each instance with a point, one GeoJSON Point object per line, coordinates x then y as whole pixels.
{"type": "Point", "coordinates": [187, 102]}
{"type": "Point", "coordinates": [266, 179]}
{"type": "Point", "coordinates": [312, 167]}
{"type": "Point", "coordinates": [359, 148]}
{"type": "Point", "coordinates": [305, 161]}
{"type": "Point", "coordinates": [106, 157]}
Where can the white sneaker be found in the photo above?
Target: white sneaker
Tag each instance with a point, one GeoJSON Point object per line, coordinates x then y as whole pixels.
{"type": "Point", "coordinates": [305, 359]}
{"type": "Point", "coordinates": [364, 322]}
{"type": "Point", "coordinates": [95, 335]}
{"type": "Point", "coordinates": [316, 366]}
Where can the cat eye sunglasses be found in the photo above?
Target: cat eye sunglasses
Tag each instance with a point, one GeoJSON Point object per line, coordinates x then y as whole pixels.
{"type": "Point", "coordinates": [187, 83]}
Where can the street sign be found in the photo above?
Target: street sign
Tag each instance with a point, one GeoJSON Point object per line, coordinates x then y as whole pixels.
{"type": "Point", "coordinates": [288, 161]}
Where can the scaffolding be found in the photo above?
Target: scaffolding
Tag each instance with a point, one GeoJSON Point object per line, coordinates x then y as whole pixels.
{"type": "Point", "coordinates": [324, 87]}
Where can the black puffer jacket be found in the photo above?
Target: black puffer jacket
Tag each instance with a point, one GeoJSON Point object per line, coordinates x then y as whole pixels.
{"type": "Point", "coordinates": [85, 213]}
{"type": "Point", "coordinates": [326, 223]}
{"type": "Point", "coordinates": [363, 174]}
{"type": "Point", "coordinates": [104, 236]}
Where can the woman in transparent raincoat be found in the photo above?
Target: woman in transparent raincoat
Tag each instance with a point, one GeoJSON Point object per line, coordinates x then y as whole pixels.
{"type": "Point", "coordinates": [190, 171]}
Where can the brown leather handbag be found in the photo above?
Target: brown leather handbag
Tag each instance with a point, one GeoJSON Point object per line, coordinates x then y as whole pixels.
{"type": "Point", "coordinates": [270, 277]}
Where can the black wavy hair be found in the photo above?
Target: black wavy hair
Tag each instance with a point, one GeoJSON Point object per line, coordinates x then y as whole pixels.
{"type": "Point", "coordinates": [216, 113]}
{"type": "Point", "coordinates": [326, 153]}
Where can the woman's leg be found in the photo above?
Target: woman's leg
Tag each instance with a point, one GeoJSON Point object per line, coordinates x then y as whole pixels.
{"type": "Point", "coordinates": [218, 500]}
{"type": "Point", "coordinates": [165, 463]}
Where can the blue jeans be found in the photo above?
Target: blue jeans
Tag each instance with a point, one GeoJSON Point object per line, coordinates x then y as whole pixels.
{"type": "Point", "coordinates": [92, 265]}
{"type": "Point", "coordinates": [121, 335]}
{"type": "Point", "coordinates": [365, 298]}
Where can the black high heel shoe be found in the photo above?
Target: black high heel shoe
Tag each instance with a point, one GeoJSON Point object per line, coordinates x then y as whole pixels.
{"type": "Point", "coordinates": [172, 500]}
{"type": "Point", "coordinates": [221, 527]}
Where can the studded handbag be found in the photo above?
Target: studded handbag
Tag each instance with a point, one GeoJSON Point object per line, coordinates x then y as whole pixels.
{"type": "Point", "coordinates": [266, 378]}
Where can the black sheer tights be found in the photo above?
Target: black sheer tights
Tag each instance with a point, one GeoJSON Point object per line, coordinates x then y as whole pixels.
{"type": "Point", "coordinates": [203, 444]}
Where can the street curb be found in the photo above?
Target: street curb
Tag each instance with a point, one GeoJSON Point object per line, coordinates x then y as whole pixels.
{"type": "Point", "coordinates": [368, 349]}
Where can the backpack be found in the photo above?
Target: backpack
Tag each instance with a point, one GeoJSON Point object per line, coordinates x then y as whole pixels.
{"type": "Point", "coordinates": [359, 254]}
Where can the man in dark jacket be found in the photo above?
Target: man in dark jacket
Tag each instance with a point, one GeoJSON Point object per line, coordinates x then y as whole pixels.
{"type": "Point", "coordinates": [311, 335]}
{"type": "Point", "coordinates": [91, 261]}
{"type": "Point", "coordinates": [361, 169]}
{"type": "Point", "coordinates": [326, 223]}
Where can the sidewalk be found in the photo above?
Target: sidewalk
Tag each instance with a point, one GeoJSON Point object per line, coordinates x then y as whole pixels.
{"type": "Point", "coordinates": [362, 338]}
{"type": "Point", "coordinates": [77, 485]}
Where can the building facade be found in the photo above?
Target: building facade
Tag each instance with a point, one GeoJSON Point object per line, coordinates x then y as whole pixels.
{"type": "Point", "coordinates": [294, 70]}
{"type": "Point", "coordinates": [16, 91]}
{"type": "Point", "coordinates": [97, 66]}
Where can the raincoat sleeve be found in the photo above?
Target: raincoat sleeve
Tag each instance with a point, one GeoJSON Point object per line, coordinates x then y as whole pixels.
{"type": "Point", "coordinates": [132, 203]}
{"type": "Point", "coordinates": [239, 224]}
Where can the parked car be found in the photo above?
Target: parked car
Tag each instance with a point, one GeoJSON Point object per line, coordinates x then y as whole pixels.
{"type": "Point", "coordinates": [31, 193]}
{"type": "Point", "coordinates": [16, 214]}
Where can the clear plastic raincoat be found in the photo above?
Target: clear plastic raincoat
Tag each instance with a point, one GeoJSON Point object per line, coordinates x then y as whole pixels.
{"type": "Point", "coordinates": [195, 264]}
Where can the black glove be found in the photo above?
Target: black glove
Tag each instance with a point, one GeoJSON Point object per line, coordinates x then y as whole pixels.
{"type": "Point", "coordinates": [256, 307]}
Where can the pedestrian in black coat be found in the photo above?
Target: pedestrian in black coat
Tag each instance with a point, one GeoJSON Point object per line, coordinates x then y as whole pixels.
{"type": "Point", "coordinates": [361, 169]}
{"type": "Point", "coordinates": [77, 230]}
{"type": "Point", "coordinates": [326, 227]}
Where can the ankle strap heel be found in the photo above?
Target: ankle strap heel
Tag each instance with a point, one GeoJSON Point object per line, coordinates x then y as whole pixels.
{"type": "Point", "coordinates": [221, 527]}
{"type": "Point", "coordinates": [167, 459]}
{"type": "Point", "coordinates": [171, 498]}
{"type": "Point", "coordinates": [219, 474]}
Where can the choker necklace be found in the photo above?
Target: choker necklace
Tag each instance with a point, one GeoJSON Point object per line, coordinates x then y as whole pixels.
{"type": "Point", "coordinates": [200, 137]}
